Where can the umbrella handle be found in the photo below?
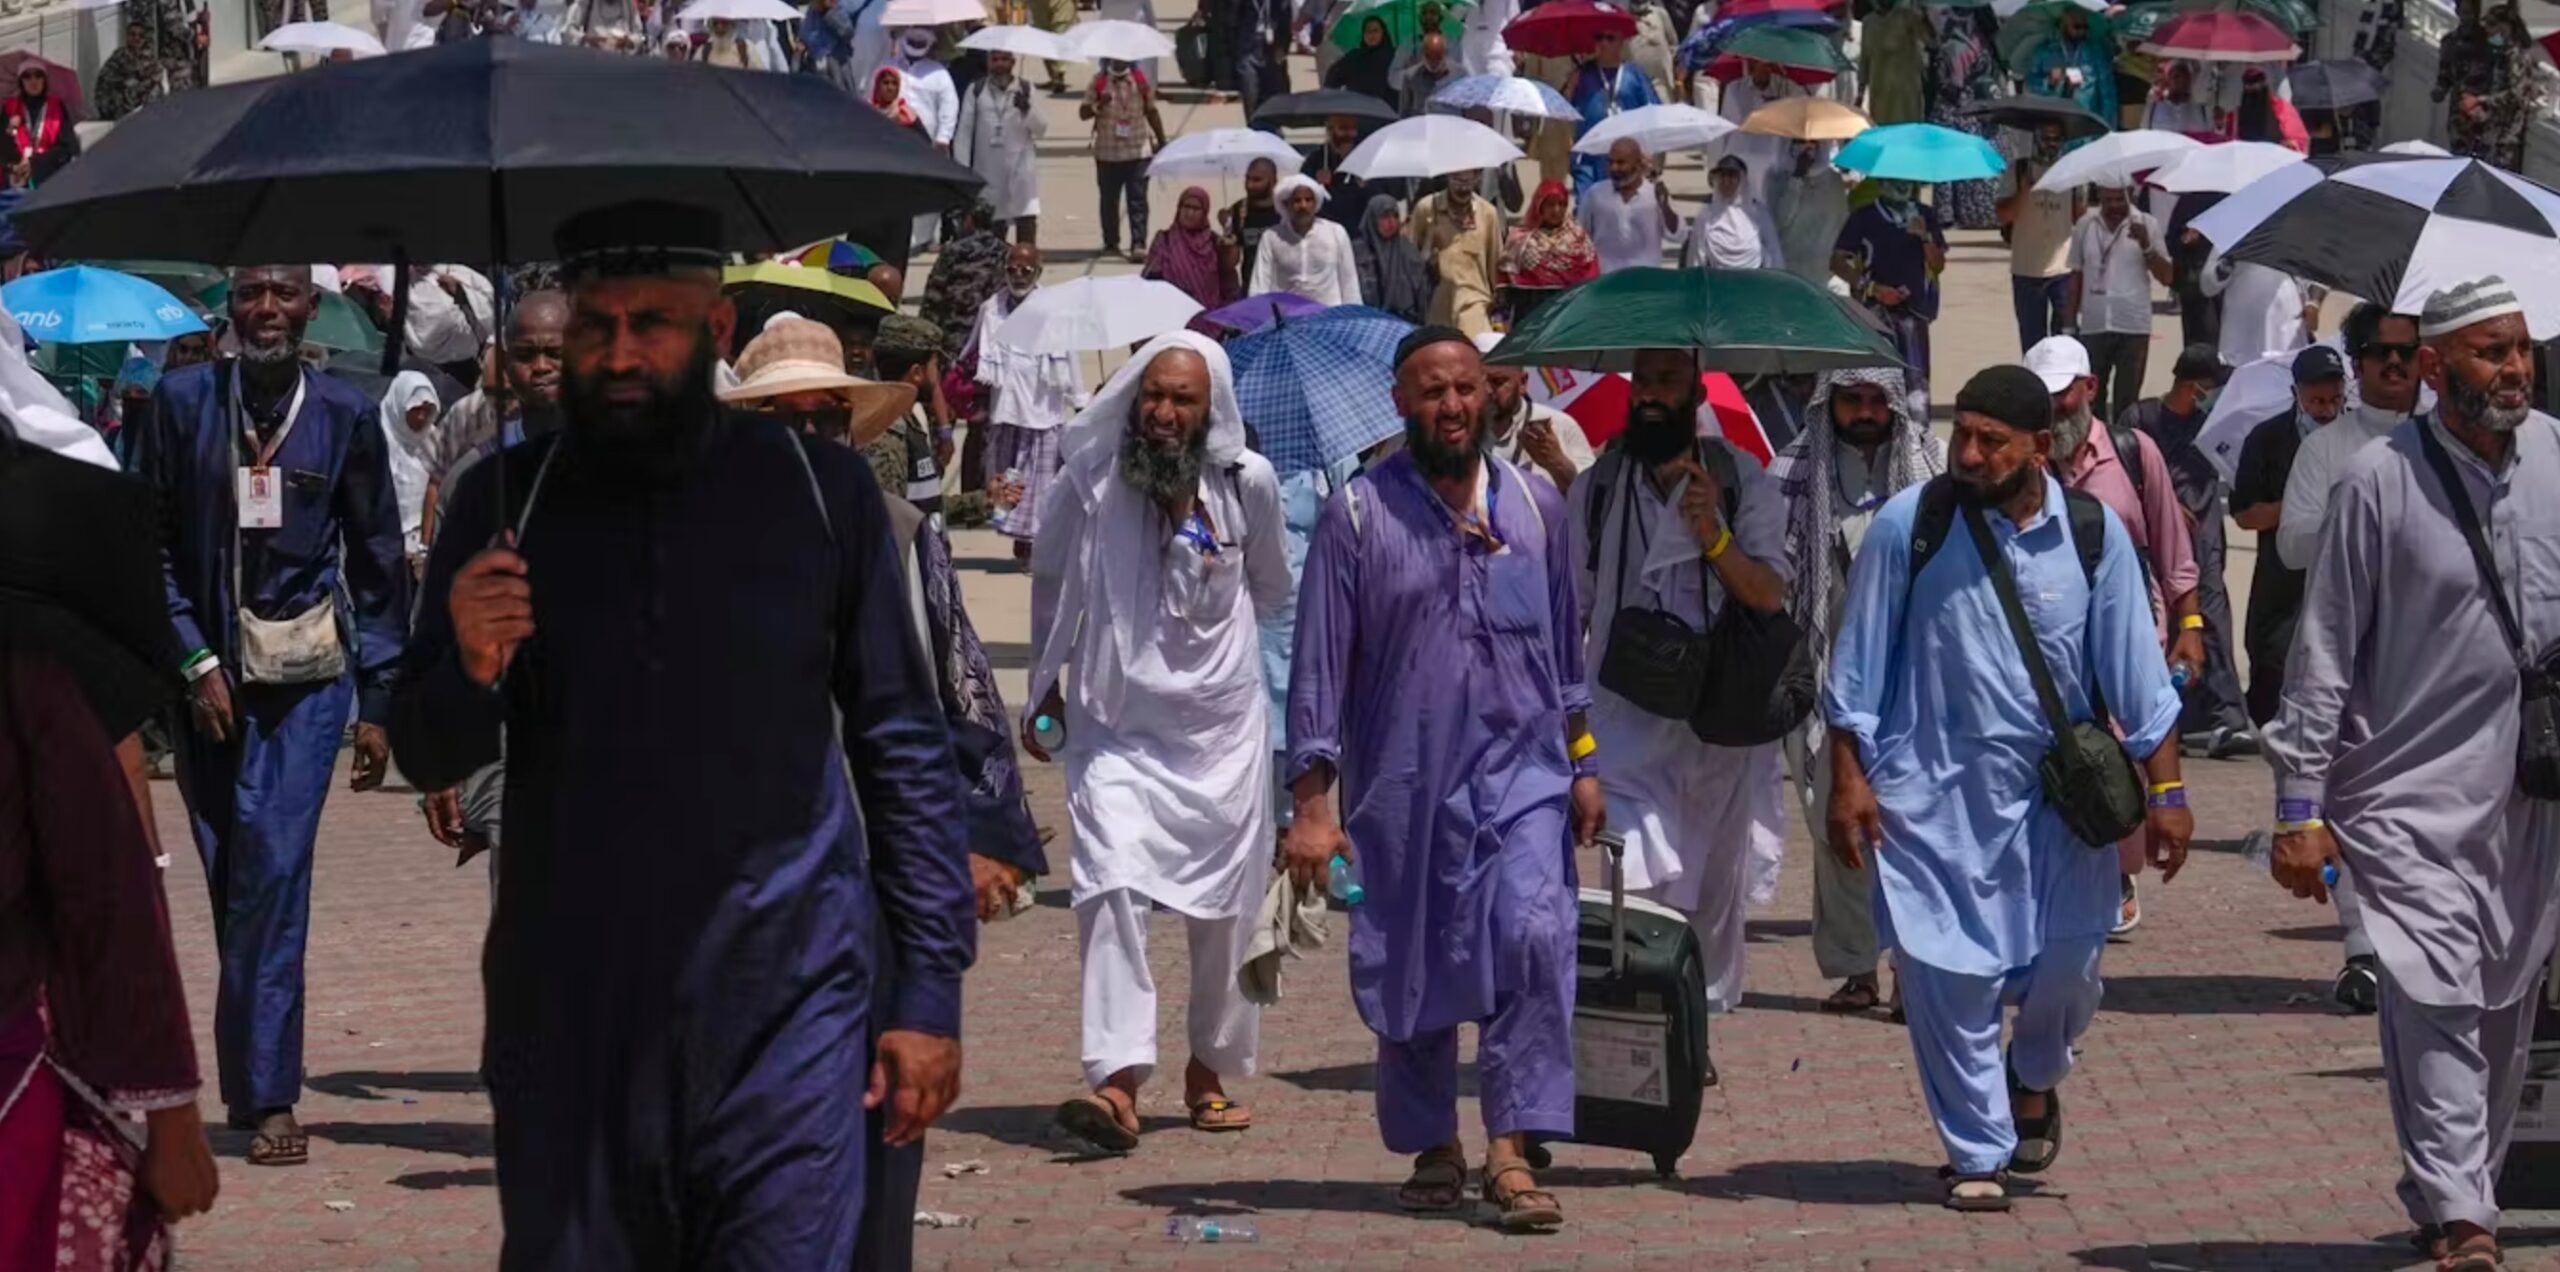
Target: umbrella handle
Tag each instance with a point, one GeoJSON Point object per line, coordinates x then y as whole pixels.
{"type": "Point", "coordinates": [397, 337]}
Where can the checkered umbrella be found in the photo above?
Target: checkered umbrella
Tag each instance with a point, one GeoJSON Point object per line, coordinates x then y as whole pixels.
{"type": "Point", "coordinates": [1315, 390]}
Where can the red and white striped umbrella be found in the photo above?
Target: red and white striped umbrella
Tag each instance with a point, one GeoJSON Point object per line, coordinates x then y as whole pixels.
{"type": "Point", "coordinates": [2222, 35]}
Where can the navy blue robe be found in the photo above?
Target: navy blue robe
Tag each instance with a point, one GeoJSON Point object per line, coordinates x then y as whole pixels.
{"type": "Point", "coordinates": [681, 966]}
{"type": "Point", "coordinates": [254, 802]}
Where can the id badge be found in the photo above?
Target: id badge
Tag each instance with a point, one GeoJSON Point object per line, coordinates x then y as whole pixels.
{"type": "Point", "coordinates": [261, 497]}
{"type": "Point", "coordinates": [1124, 130]}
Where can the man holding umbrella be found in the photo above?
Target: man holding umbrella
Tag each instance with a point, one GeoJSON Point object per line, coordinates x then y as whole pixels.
{"type": "Point", "coordinates": [1603, 86]}
{"type": "Point", "coordinates": [280, 500]}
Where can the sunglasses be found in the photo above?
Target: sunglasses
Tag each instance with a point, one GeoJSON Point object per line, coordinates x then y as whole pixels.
{"type": "Point", "coordinates": [834, 423]}
{"type": "Point", "coordinates": [2379, 352]}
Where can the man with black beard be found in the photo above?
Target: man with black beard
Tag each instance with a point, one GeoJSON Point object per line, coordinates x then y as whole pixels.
{"type": "Point", "coordinates": [1984, 893]}
{"type": "Point", "coordinates": [279, 500]}
{"type": "Point", "coordinates": [687, 1017]}
{"type": "Point", "coordinates": [1673, 522]}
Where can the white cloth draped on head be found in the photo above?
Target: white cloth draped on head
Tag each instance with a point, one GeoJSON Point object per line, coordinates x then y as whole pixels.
{"type": "Point", "coordinates": [37, 412]}
{"type": "Point", "coordinates": [1116, 530]}
{"type": "Point", "coordinates": [408, 448]}
{"type": "Point", "coordinates": [1280, 192]}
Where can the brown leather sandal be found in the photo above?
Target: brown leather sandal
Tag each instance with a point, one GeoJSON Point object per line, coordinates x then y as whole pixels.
{"type": "Point", "coordinates": [1438, 1183]}
{"type": "Point", "coordinates": [1520, 1209]}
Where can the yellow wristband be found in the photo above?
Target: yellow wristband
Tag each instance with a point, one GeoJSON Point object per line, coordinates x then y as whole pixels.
{"type": "Point", "coordinates": [2163, 788]}
{"type": "Point", "coordinates": [2296, 828]}
{"type": "Point", "coordinates": [1582, 747]}
{"type": "Point", "coordinates": [1724, 539]}
{"type": "Point", "coordinates": [2191, 623]}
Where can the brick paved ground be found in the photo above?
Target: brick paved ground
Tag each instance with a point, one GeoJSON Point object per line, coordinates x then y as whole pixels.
{"type": "Point", "coordinates": [2223, 1117]}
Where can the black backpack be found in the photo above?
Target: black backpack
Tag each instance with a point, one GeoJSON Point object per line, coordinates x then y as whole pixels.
{"type": "Point", "coordinates": [1937, 519]}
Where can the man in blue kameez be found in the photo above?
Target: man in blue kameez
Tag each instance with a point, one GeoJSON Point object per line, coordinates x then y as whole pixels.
{"type": "Point", "coordinates": [280, 503]}
{"type": "Point", "coordinates": [1602, 87]}
{"type": "Point", "coordinates": [691, 627]}
{"type": "Point", "coordinates": [1936, 736]}
{"type": "Point", "coordinates": [1464, 791]}
{"type": "Point", "coordinates": [2077, 66]}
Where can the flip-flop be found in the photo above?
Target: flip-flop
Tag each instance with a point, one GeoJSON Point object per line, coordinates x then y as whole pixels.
{"type": "Point", "coordinates": [1520, 1210]}
{"type": "Point", "coordinates": [1957, 1199]}
{"type": "Point", "coordinates": [1220, 1114]}
{"type": "Point", "coordinates": [1089, 1119]}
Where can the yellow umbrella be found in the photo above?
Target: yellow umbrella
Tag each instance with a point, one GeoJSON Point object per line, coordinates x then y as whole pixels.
{"type": "Point", "coordinates": [805, 278]}
{"type": "Point", "coordinates": [1807, 119]}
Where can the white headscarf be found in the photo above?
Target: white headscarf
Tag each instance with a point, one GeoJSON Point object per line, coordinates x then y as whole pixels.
{"type": "Point", "coordinates": [37, 411]}
{"type": "Point", "coordinates": [408, 448]}
{"type": "Point", "coordinates": [1091, 445]}
{"type": "Point", "coordinates": [1280, 195]}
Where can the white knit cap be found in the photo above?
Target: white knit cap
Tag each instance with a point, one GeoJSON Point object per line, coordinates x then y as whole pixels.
{"type": "Point", "coordinates": [2464, 304]}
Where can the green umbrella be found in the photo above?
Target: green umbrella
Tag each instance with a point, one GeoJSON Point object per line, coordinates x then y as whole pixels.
{"type": "Point", "coordinates": [337, 324]}
{"type": "Point", "coordinates": [1785, 46]}
{"type": "Point", "coordinates": [180, 278]}
{"type": "Point", "coordinates": [1403, 19]}
{"type": "Point", "coordinates": [2022, 31]}
{"type": "Point", "coordinates": [1741, 321]}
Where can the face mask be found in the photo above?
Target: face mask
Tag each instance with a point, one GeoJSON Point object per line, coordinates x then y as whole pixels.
{"type": "Point", "coordinates": [2497, 41]}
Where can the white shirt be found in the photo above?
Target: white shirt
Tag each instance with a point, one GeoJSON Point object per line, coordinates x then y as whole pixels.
{"type": "Point", "coordinates": [2115, 281]}
{"type": "Point", "coordinates": [2178, 117]}
{"type": "Point", "coordinates": [2324, 459]}
{"type": "Point", "coordinates": [926, 86]}
{"type": "Point", "coordinates": [1736, 235]}
{"type": "Point", "coordinates": [1628, 230]}
{"type": "Point", "coordinates": [2261, 309]}
{"type": "Point", "coordinates": [1318, 266]}
{"type": "Point", "coordinates": [1032, 390]}
{"type": "Point", "coordinates": [442, 331]}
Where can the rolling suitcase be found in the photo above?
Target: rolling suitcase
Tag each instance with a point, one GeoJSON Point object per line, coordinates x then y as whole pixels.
{"type": "Point", "coordinates": [2531, 1178]}
{"type": "Point", "coordinates": [1639, 1022]}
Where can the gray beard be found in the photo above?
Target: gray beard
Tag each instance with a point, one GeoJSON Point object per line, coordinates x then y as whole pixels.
{"type": "Point", "coordinates": [1163, 476]}
{"type": "Point", "coordinates": [271, 355]}
{"type": "Point", "coordinates": [2475, 407]}
{"type": "Point", "coordinates": [2071, 432]}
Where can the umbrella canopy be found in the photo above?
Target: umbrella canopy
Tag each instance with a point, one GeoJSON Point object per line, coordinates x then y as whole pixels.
{"type": "Point", "coordinates": [1428, 146]}
{"type": "Point", "coordinates": [2222, 35]}
{"type": "Point", "coordinates": [1116, 40]}
{"type": "Point", "coordinates": [1567, 28]}
{"type": "Point", "coordinates": [1516, 94]}
{"type": "Point", "coordinates": [2427, 149]}
{"type": "Point", "coordinates": [1598, 401]}
{"type": "Point", "coordinates": [1807, 119]}
{"type": "Point", "coordinates": [1253, 313]}
{"type": "Point", "coordinates": [1021, 41]}
{"type": "Point", "coordinates": [1792, 47]}
{"type": "Point", "coordinates": [1921, 152]}
{"type": "Point", "coordinates": [1316, 390]}
{"type": "Point", "coordinates": [2023, 27]}
{"type": "Point", "coordinates": [906, 13]}
{"type": "Point", "coordinates": [1097, 313]}
{"type": "Point", "coordinates": [82, 304]}
{"type": "Point", "coordinates": [1403, 19]}
{"type": "Point", "coordinates": [838, 254]}
{"type": "Point", "coordinates": [59, 80]}
{"type": "Point", "coordinates": [479, 150]}
{"type": "Point", "coordinates": [1659, 129]}
{"type": "Point", "coordinates": [2398, 230]}
{"type": "Point", "coordinates": [2343, 84]}
{"type": "Point", "coordinates": [2254, 394]}
{"type": "Point", "coordinates": [2224, 166]}
{"type": "Point", "coordinates": [1311, 108]}
{"type": "Point", "coordinates": [1756, 8]}
{"type": "Point", "coordinates": [80, 579]}
{"type": "Point", "coordinates": [321, 38]}
{"type": "Point", "coordinates": [810, 279]}
{"type": "Point", "coordinates": [1700, 47]}
{"type": "Point", "coordinates": [1745, 321]}
{"type": "Point", "coordinates": [182, 278]}
{"type": "Point", "coordinates": [336, 323]}
{"type": "Point", "coordinates": [2032, 112]}
{"type": "Point", "coordinates": [1222, 152]}
{"type": "Point", "coordinates": [2114, 159]}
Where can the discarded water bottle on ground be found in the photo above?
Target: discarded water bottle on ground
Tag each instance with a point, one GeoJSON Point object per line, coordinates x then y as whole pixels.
{"type": "Point", "coordinates": [1050, 732]}
{"type": "Point", "coordinates": [1189, 1229]}
{"type": "Point", "coordinates": [1342, 881]}
{"type": "Point", "coordinates": [2260, 850]}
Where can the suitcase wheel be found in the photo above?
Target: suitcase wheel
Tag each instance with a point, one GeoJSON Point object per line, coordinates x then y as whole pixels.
{"type": "Point", "coordinates": [1666, 1167]}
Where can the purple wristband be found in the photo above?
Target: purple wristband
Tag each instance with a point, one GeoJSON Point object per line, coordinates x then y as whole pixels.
{"type": "Point", "coordinates": [2176, 798]}
{"type": "Point", "coordinates": [2295, 811]}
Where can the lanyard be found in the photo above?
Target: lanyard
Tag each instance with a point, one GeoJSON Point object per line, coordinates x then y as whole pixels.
{"type": "Point", "coordinates": [1615, 74]}
{"type": "Point", "coordinates": [1196, 531]}
{"type": "Point", "coordinates": [292, 416]}
{"type": "Point", "coordinates": [2107, 248]}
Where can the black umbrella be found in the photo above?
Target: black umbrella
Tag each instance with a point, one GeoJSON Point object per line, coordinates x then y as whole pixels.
{"type": "Point", "coordinates": [2337, 85]}
{"type": "Point", "coordinates": [478, 150]}
{"type": "Point", "coordinates": [2031, 113]}
{"type": "Point", "coordinates": [80, 580]}
{"type": "Point", "coordinates": [1311, 108]}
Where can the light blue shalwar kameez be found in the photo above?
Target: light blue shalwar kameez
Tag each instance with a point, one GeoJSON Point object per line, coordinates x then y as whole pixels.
{"type": "Point", "coordinates": [1986, 895]}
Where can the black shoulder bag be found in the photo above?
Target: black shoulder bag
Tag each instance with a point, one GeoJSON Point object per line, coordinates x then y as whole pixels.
{"type": "Point", "coordinates": [1759, 680]}
{"type": "Point", "coordinates": [2086, 776]}
{"type": "Point", "coordinates": [1653, 658]}
{"type": "Point", "coordinates": [2538, 714]}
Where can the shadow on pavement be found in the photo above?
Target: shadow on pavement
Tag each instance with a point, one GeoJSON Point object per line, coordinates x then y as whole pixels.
{"type": "Point", "coordinates": [1759, 930]}
{"type": "Point", "coordinates": [1852, 1183]}
{"type": "Point", "coordinates": [1035, 1126]}
{"type": "Point", "coordinates": [2218, 996]}
{"type": "Point", "coordinates": [2321, 933]}
{"type": "Point", "coordinates": [1753, 1000]}
{"type": "Point", "coordinates": [2238, 1256]}
{"type": "Point", "coordinates": [461, 1139]}
{"type": "Point", "coordinates": [438, 1180]}
{"type": "Point", "coordinates": [370, 1084]}
{"type": "Point", "coordinates": [1362, 1077]}
{"type": "Point", "coordinates": [1248, 1196]}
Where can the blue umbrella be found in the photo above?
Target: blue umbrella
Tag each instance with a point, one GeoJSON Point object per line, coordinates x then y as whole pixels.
{"type": "Point", "coordinates": [82, 304]}
{"type": "Point", "coordinates": [1504, 92]}
{"type": "Point", "coordinates": [1921, 152]}
{"type": "Point", "coordinates": [1315, 390]}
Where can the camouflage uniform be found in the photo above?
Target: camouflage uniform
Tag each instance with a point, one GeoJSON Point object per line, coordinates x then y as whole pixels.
{"type": "Point", "coordinates": [2505, 79]}
{"type": "Point", "coordinates": [128, 80]}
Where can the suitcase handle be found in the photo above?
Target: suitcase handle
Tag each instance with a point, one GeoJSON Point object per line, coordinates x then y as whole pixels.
{"type": "Point", "coordinates": [1614, 846]}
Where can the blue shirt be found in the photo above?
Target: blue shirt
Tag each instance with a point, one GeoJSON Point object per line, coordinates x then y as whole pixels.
{"type": "Point", "coordinates": [1595, 94]}
{"type": "Point", "coordinates": [1976, 873]}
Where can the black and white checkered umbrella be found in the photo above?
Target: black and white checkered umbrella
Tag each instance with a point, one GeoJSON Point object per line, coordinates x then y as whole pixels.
{"type": "Point", "coordinates": [2398, 228]}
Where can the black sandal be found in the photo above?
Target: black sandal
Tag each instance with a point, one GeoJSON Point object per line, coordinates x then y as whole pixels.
{"type": "Point", "coordinates": [2039, 1138]}
{"type": "Point", "coordinates": [1438, 1183]}
{"type": "Point", "coordinates": [291, 1148]}
{"type": "Point", "coordinates": [1976, 1203]}
{"type": "Point", "coordinates": [1856, 995]}
{"type": "Point", "coordinates": [1092, 1119]}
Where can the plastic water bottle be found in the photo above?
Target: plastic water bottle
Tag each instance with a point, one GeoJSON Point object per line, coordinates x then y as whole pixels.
{"type": "Point", "coordinates": [2260, 850]}
{"type": "Point", "coordinates": [2179, 674]}
{"type": "Point", "coordinates": [1342, 881]}
{"type": "Point", "coordinates": [1050, 732]}
{"type": "Point", "coordinates": [1004, 512]}
{"type": "Point", "coordinates": [1210, 1231]}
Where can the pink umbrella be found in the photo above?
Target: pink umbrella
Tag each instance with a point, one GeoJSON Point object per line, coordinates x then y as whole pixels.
{"type": "Point", "coordinates": [1567, 28]}
{"type": "Point", "coordinates": [2222, 35]}
{"type": "Point", "coordinates": [59, 80]}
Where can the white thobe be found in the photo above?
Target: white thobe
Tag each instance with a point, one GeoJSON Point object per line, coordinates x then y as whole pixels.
{"type": "Point", "coordinates": [1627, 230]}
{"type": "Point", "coordinates": [1733, 236]}
{"type": "Point", "coordinates": [2261, 309]}
{"type": "Point", "coordinates": [1810, 209]}
{"type": "Point", "coordinates": [1766, 155]}
{"type": "Point", "coordinates": [998, 143]}
{"type": "Point", "coordinates": [442, 330]}
{"type": "Point", "coordinates": [926, 86]}
{"type": "Point", "coordinates": [1032, 390]}
{"type": "Point", "coordinates": [1690, 811]}
{"type": "Point", "coordinates": [1480, 47]}
{"type": "Point", "coordinates": [2317, 466]}
{"type": "Point", "coordinates": [1317, 265]}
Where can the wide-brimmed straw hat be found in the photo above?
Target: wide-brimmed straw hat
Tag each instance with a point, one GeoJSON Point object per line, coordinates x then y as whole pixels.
{"type": "Point", "coordinates": [800, 355]}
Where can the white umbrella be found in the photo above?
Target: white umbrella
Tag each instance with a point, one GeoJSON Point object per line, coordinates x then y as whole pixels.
{"type": "Point", "coordinates": [321, 38]}
{"type": "Point", "coordinates": [1021, 41]}
{"type": "Point", "coordinates": [2224, 166]}
{"type": "Point", "coordinates": [737, 11]}
{"type": "Point", "coordinates": [1222, 152]}
{"type": "Point", "coordinates": [1429, 146]}
{"type": "Point", "coordinates": [1514, 94]}
{"type": "Point", "coordinates": [2112, 160]}
{"type": "Point", "coordinates": [1658, 129]}
{"type": "Point", "coordinates": [2415, 147]}
{"type": "Point", "coordinates": [2252, 394]}
{"type": "Point", "coordinates": [907, 13]}
{"type": "Point", "coordinates": [1097, 313]}
{"type": "Point", "coordinates": [1116, 40]}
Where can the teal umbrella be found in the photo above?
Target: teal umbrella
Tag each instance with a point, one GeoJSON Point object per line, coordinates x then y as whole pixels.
{"type": "Point", "coordinates": [1740, 321]}
{"type": "Point", "coordinates": [337, 324]}
{"type": "Point", "coordinates": [1921, 152]}
{"type": "Point", "coordinates": [1403, 19]}
{"type": "Point", "coordinates": [1785, 46]}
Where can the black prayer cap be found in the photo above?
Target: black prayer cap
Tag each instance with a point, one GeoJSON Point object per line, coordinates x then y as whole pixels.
{"type": "Point", "coordinates": [648, 236]}
{"type": "Point", "coordinates": [1427, 335]}
{"type": "Point", "coordinates": [2012, 395]}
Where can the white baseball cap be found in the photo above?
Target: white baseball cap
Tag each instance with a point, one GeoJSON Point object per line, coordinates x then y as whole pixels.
{"type": "Point", "coordinates": [2058, 360]}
